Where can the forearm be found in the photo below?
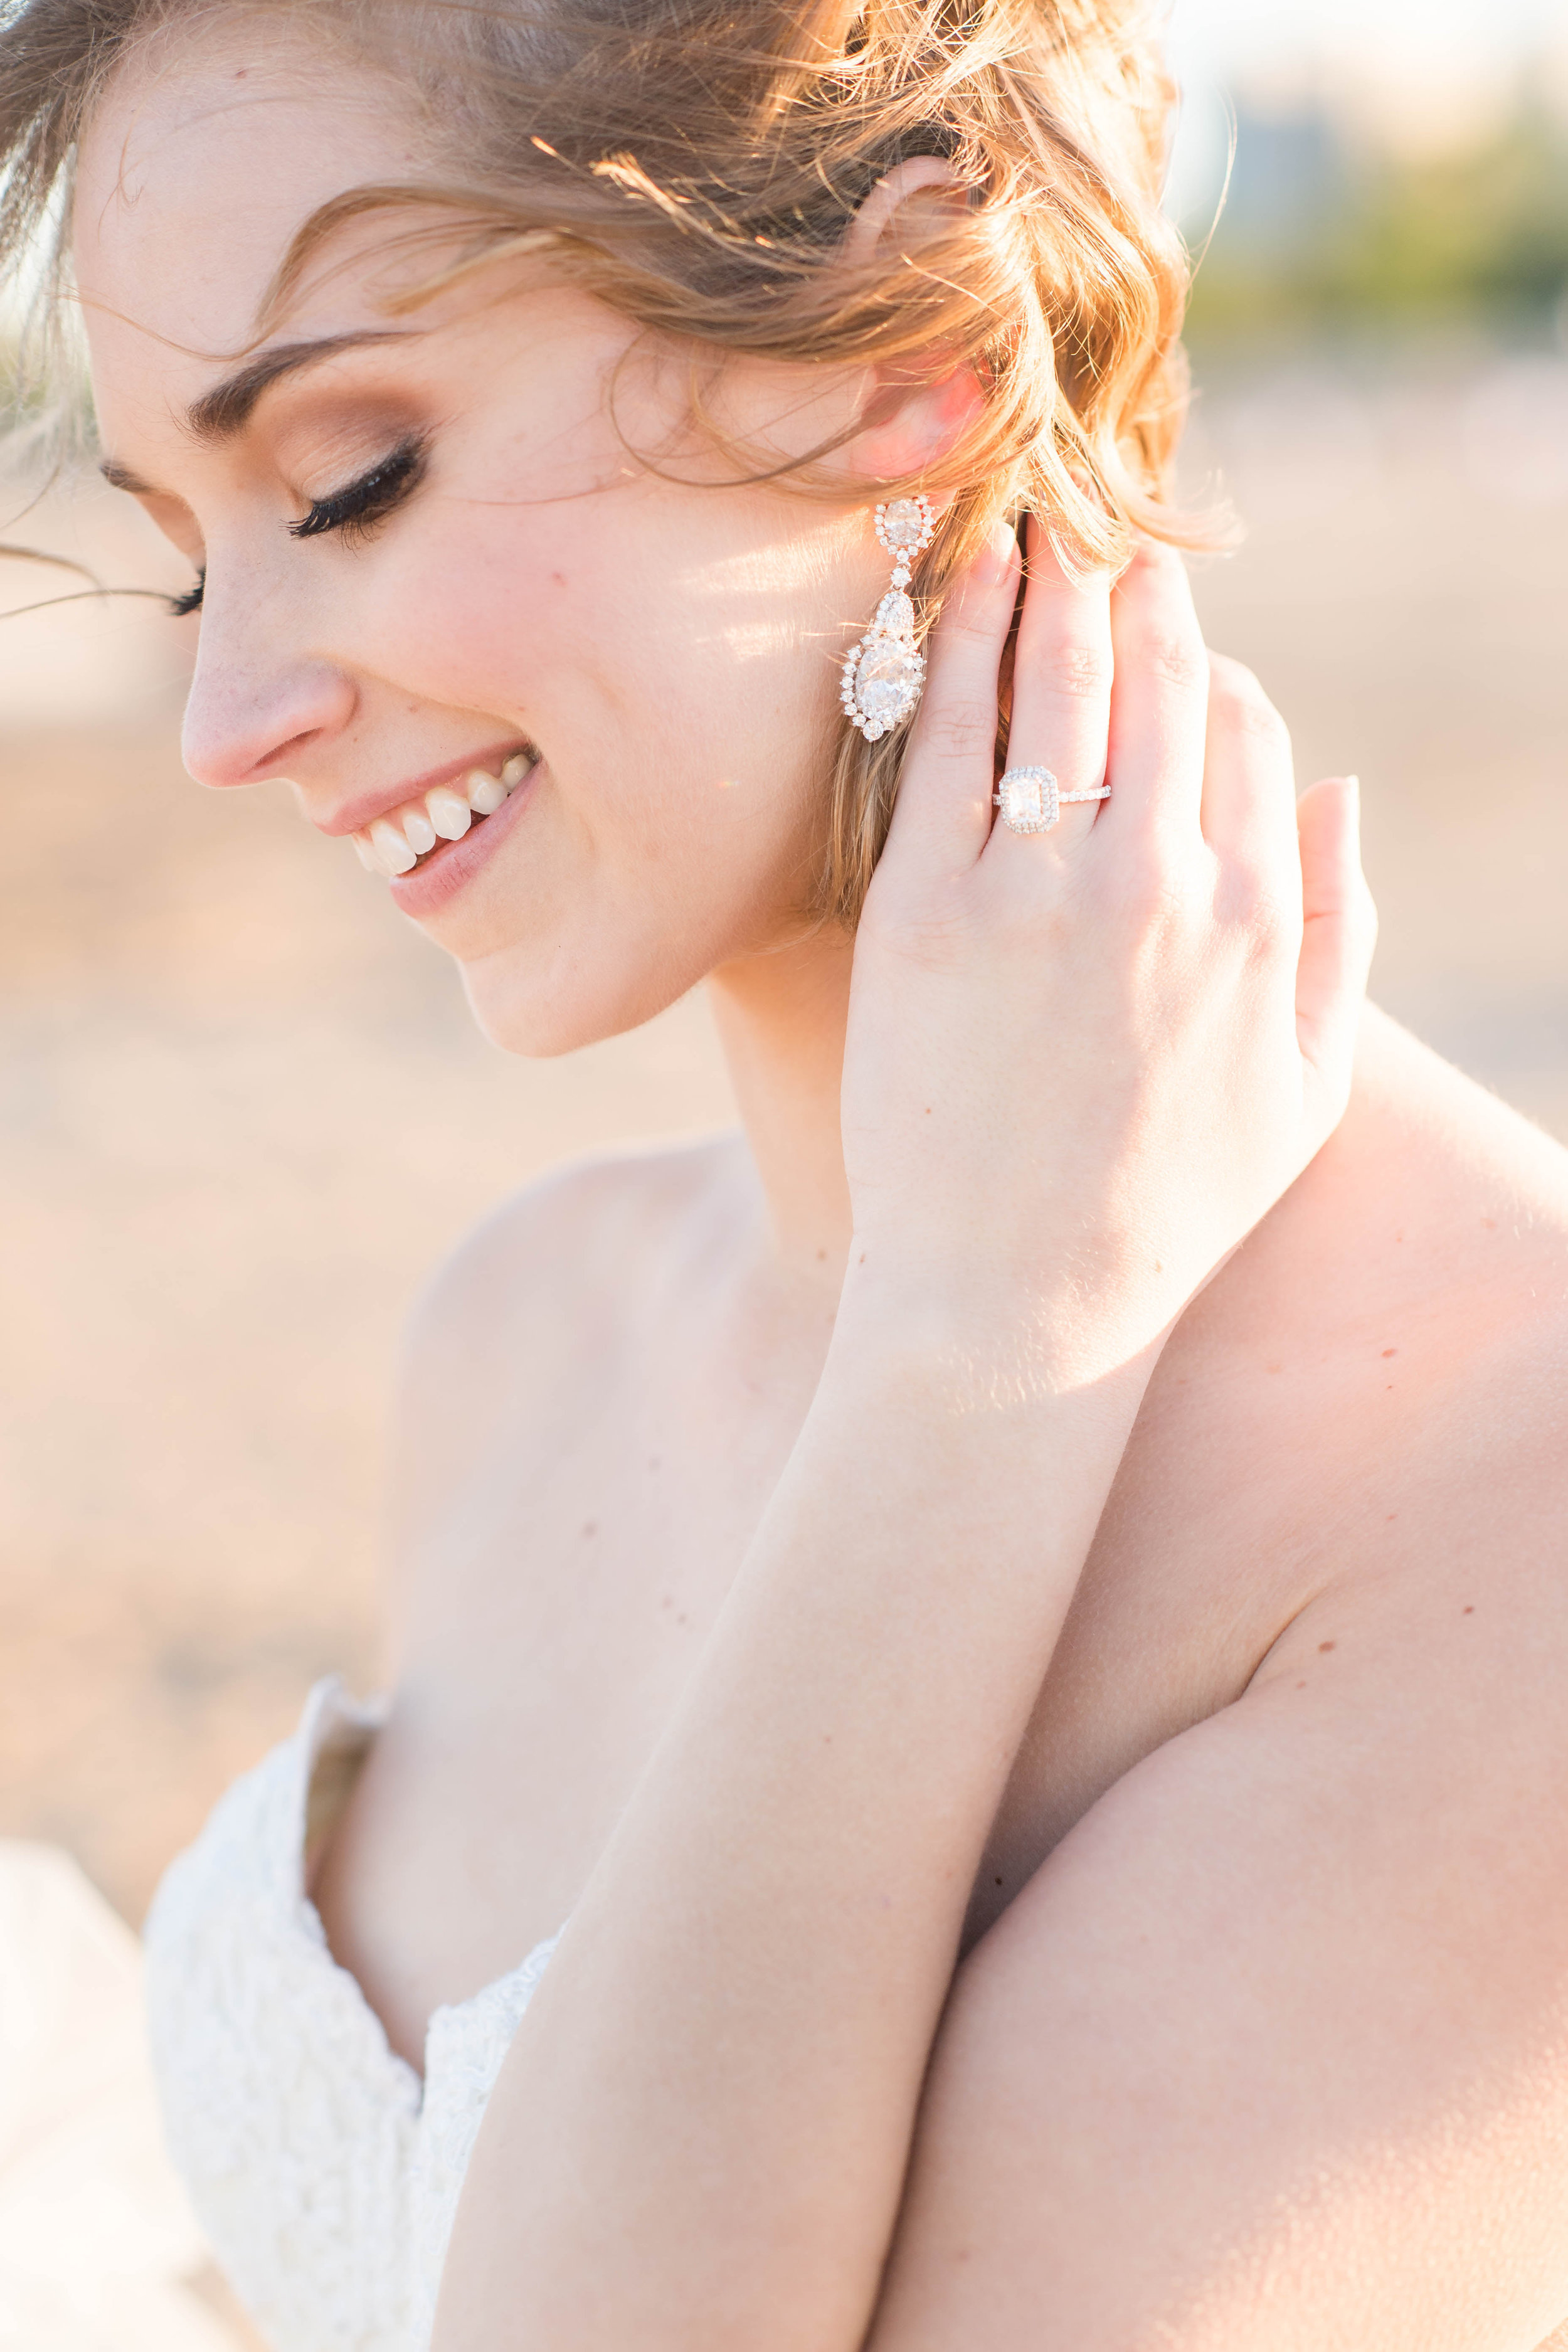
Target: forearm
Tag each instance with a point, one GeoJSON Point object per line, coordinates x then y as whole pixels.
{"type": "Point", "coordinates": [701, 2133]}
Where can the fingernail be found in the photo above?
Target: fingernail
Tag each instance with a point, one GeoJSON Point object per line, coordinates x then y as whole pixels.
{"type": "Point", "coordinates": [1001, 548]}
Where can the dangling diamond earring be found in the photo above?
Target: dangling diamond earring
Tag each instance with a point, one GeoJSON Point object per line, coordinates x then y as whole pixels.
{"type": "Point", "coordinates": [884, 673]}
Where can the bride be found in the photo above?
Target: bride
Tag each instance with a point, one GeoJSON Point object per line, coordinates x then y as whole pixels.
{"type": "Point", "coordinates": [1015, 1612]}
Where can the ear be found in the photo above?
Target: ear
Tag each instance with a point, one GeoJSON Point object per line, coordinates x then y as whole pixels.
{"type": "Point", "coordinates": [914, 415]}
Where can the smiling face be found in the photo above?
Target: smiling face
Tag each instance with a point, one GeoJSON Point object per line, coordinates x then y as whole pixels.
{"type": "Point", "coordinates": [433, 572]}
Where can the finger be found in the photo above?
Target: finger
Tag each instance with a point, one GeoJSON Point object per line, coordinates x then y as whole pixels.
{"type": "Point", "coordinates": [1159, 700]}
{"type": "Point", "coordinates": [1249, 776]}
{"type": "Point", "coordinates": [1340, 931]}
{"type": "Point", "coordinates": [944, 794]}
{"type": "Point", "coordinates": [1061, 683]}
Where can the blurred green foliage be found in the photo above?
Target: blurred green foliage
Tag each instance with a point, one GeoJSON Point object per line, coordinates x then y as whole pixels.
{"type": "Point", "coordinates": [1322, 233]}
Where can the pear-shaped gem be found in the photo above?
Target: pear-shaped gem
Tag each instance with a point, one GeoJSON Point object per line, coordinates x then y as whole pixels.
{"type": "Point", "coordinates": [888, 680]}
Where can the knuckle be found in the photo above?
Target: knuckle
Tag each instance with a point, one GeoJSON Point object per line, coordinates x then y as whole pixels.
{"type": "Point", "coordinates": [1240, 706]}
{"type": "Point", "coordinates": [1148, 889]}
{"type": "Point", "coordinates": [1261, 906]}
{"type": "Point", "coordinates": [970, 625]}
{"type": "Point", "coordinates": [1174, 657]}
{"type": "Point", "coordinates": [1082, 673]}
{"type": "Point", "coordinates": [1273, 926]}
{"type": "Point", "coordinates": [958, 726]}
{"type": "Point", "coordinates": [1230, 676]}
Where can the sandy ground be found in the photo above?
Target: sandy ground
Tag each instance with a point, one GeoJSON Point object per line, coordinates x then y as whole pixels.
{"type": "Point", "coordinates": [244, 1112]}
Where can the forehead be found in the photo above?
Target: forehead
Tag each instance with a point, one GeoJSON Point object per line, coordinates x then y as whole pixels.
{"type": "Point", "coordinates": [195, 170]}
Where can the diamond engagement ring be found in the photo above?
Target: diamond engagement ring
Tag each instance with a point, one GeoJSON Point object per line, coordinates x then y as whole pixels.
{"type": "Point", "coordinates": [1029, 799]}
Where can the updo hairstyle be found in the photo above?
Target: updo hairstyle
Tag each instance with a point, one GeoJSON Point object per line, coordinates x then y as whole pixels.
{"type": "Point", "coordinates": [695, 165]}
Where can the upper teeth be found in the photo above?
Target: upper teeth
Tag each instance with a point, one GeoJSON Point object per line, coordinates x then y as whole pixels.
{"type": "Point", "coordinates": [394, 844]}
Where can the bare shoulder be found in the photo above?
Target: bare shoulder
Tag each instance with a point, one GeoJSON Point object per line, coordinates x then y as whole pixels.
{"type": "Point", "coordinates": [541, 1300]}
{"type": "Point", "coordinates": [583, 1241]}
{"type": "Point", "coordinates": [1271, 2050]}
{"type": "Point", "coordinates": [1439, 1220]}
{"type": "Point", "coordinates": [1398, 1330]}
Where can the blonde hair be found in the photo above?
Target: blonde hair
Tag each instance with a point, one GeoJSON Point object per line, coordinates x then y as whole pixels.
{"type": "Point", "coordinates": [695, 165]}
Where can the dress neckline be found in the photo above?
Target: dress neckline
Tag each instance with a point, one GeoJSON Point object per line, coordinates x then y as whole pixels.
{"type": "Point", "coordinates": [331, 1745]}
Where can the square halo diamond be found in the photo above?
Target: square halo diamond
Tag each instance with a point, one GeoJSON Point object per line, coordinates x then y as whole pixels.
{"type": "Point", "coordinates": [1029, 798]}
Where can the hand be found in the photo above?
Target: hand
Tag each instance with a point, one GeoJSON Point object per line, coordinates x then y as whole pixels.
{"type": "Point", "coordinates": [1081, 1066]}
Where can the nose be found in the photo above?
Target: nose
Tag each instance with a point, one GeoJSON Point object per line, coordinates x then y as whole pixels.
{"type": "Point", "coordinates": [251, 715]}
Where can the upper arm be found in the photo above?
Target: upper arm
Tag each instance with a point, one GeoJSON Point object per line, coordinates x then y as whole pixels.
{"type": "Point", "coordinates": [1272, 2053]}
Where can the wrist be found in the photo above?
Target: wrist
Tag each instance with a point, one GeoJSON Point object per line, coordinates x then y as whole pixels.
{"type": "Point", "coordinates": [979, 1341]}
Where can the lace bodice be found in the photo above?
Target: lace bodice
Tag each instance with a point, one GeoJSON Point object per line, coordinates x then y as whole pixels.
{"type": "Point", "coordinates": [324, 2173]}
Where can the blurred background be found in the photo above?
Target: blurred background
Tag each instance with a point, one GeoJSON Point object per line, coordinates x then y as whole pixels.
{"type": "Point", "coordinates": [244, 1112]}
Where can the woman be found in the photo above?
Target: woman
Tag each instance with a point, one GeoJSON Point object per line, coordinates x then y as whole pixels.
{"type": "Point", "coordinates": [1017, 1610]}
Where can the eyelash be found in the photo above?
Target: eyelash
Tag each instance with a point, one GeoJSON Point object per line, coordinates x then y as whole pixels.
{"type": "Point", "coordinates": [364, 503]}
{"type": "Point", "coordinates": [354, 510]}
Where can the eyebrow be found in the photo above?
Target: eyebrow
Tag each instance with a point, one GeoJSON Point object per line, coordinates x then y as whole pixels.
{"type": "Point", "coordinates": [225, 410]}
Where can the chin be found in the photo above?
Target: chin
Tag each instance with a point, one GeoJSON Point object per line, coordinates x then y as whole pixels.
{"type": "Point", "coordinates": [541, 1015]}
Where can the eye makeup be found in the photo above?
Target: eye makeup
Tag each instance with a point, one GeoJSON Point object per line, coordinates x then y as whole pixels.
{"type": "Point", "coordinates": [363, 503]}
{"type": "Point", "coordinates": [354, 510]}
{"type": "Point", "coordinates": [191, 602]}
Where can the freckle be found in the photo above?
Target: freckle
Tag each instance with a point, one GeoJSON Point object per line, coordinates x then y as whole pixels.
{"type": "Point", "coordinates": [1392, 1516]}
{"type": "Point", "coordinates": [928, 1111]}
{"type": "Point", "coordinates": [668, 1600]}
{"type": "Point", "coordinates": [822, 1258]}
{"type": "Point", "coordinates": [862, 1257]}
{"type": "Point", "coordinates": [1469, 1610]}
{"type": "Point", "coordinates": [1390, 1351]}
{"type": "Point", "coordinates": [1324, 1645]}
{"type": "Point", "coordinates": [998, 1881]}
{"type": "Point", "coordinates": [655, 1461]}
{"type": "Point", "coordinates": [1276, 1368]}
{"type": "Point", "coordinates": [1300, 1687]}
{"type": "Point", "coordinates": [590, 1526]}
{"type": "Point", "coordinates": [683, 1619]}
{"type": "Point", "coordinates": [1490, 1225]}
{"type": "Point", "coordinates": [558, 580]}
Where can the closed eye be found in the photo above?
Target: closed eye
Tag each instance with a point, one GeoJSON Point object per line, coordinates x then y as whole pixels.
{"type": "Point", "coordinates": [354, 509]}
{"type": "Point", "coordinates": [191, 602]}
{"type": "Point", "coordinates": [363, 503]}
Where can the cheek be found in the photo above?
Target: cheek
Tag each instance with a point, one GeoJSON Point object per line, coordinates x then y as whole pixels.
{"type": "Point", "coordinates": [666, 705]}
{"type": "Point", "coordinates": [483, 619]}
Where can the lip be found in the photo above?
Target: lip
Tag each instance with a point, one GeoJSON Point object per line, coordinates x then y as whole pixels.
{"type": "Point", "coordinates": [355, 815]}
{"type": "Point", "coordinates": [446, 870]}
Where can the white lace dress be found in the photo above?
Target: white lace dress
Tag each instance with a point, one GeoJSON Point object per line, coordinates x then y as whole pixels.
{"type": "Point", "coordinates": [325, 2175]}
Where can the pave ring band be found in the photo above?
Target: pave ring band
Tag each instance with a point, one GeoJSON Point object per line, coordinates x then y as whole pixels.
{"type": "Point", "coordinates": [1029, 799]}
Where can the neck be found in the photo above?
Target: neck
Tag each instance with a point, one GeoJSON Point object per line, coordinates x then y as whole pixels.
{"type": "Point", "coordinates": [781, 1019]}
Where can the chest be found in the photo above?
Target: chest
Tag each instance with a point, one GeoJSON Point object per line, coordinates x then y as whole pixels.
{"type": "Point", "coordinates": [565, 1589]}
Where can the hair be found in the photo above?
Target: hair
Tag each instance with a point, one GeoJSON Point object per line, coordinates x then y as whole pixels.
{"type": "Point", "coordinates": [695, 165]}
